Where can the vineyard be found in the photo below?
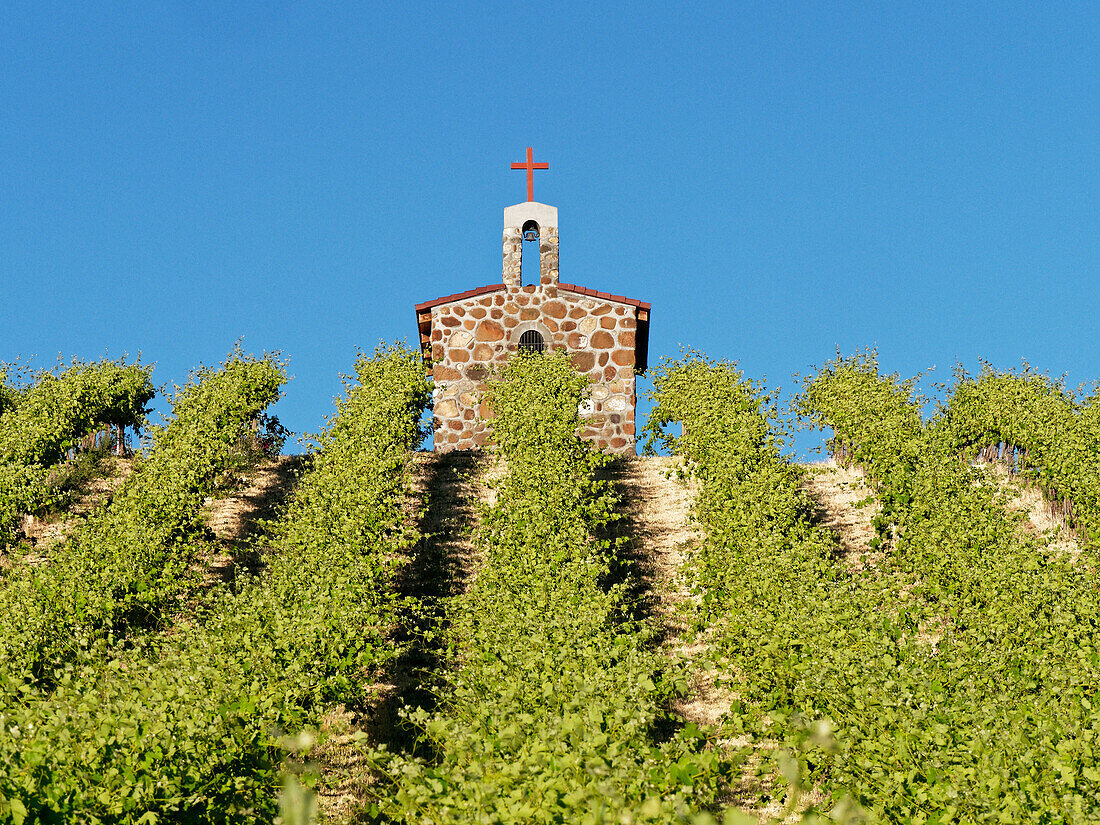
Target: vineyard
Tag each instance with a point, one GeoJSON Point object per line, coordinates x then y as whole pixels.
{"type": "Point", "coordinates": [542, 633]}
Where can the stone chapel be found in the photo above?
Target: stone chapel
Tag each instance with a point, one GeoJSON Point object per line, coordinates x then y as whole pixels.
{"type": "Point", "coordinates": [463, 336]}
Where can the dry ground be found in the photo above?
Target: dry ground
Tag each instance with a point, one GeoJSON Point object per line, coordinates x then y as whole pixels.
{"type": "Point", "coordinates": [235, 518]}
{"type": "Point", "coordinates": [1040, 520]}
{"type": "Point", "coordinates": [447, 490]}
{"type": "Point", "coordinates": [42, 535]}
{"type": "Point", "coordinates": [657, 506]}
{"type": "Point", "coordinates": [848, 507]}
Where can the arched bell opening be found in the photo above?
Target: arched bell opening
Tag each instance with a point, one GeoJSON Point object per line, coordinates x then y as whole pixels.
{"type": "Point", "coordinates": [530, 261]}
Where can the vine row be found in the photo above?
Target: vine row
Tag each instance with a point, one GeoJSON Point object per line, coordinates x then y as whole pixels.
{"type": "Point", "coordinates": [187, 727]}
{"type": "Point", "coordinates": [130, 558]}
{"type": "Point", "coordinates": [41, 422]}
{"type": "Point", "coordinates": [548, 710]}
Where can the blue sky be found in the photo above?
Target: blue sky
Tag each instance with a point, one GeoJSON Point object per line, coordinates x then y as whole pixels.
{"type": "Point", "coordinates": [778, 179]}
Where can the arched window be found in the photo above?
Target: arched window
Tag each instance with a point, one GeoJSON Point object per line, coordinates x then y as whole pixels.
{"type": "Point", "coordinates": [531, 341]}
{"type": "Point", "coordinates": [530, 265]}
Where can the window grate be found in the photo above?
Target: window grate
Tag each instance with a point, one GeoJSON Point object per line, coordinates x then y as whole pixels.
{"type": "Point", "coordinates": [531, 341]}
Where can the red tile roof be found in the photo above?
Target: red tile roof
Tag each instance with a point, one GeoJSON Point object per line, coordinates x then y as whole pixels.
{"type": "Point", "coordinates": [458, 296]}
{"type": "Point", "coordinates": [579, 290]}
{"type": "Point", "coordinates": [583, 290]}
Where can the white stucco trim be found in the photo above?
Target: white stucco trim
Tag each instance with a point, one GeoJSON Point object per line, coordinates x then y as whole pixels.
{"type": "Point", "coordinates": [545, 216]}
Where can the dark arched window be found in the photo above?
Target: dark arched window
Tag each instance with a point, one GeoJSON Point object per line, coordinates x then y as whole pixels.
{"type": "Point", "coordinates": [531, 341]}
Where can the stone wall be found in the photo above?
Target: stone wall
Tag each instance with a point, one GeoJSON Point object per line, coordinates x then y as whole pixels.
{"type": "Point", "coordinates": [513, 255]}
{"type": "Point", "coordinates": [471, 336]}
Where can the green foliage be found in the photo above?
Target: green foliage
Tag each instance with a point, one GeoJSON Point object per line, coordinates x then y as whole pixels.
{"type": "Point", "coordinates": [762, 566]}
{"type": "Point", "coordinates": [547, 713]}
{"type": "Point", "coordinates": [887, 444]}
{"type": "Point", "coordinates": [58, 409]}
{"type": "Point", "coordinates": [131, 558]}
{"type": "Point", "coordinates": [961, 673]}
{"type": "Point", "coordinates": [10, 395]}
{"type": "Point", "coordinates": [39, 423]}
{"type": "Point", "coordinates": [749, 500]}
{"type": "Point", "coordinates": [1032, 424]}
{"type": "Point", "coordinates": [955, 680]}
{"type": "Point", "coordinates": [185, 727]}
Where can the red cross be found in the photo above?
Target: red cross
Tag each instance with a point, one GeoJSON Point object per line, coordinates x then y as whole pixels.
{"type": "Point", "coordinates": [530, 166]}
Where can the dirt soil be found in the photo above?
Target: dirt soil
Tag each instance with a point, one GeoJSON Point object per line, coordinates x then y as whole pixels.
{"type": "Point", "coordinates": [447, 489]}
{"type": "Point", "coordinates": [44, 534]}
{"type": "Point", "coordinates": [1040, 520]}
{"type": "Point", "coordinates": [657, 509]}
{"type": "Point", "coordinates": [234, 518]}
{"type": "Point", "coordinates": [848, 507]}
{"type": "Point", "coordinates": [265, 488]}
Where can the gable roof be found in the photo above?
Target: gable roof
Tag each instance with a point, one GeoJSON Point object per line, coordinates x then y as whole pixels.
{"type": "Point", "coordinates": [607, 296]}
{"type": "Point", "coordinates": [641, 311]}
{"type": "Point", "coordinates": [459, 296]}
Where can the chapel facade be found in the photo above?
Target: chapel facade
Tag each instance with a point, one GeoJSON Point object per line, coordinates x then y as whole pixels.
{"type": "Point", "coordinates": [464, 336]}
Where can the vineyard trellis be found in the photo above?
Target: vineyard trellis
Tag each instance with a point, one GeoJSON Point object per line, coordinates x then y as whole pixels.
{"type": "Point", "coordinates": [952, 680]}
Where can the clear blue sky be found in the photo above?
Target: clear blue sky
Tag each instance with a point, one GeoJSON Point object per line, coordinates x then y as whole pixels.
{"type": "Point", "coordinates": [778, 179]}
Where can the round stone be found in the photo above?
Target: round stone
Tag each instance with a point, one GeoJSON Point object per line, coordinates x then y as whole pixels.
{"type": "Point", "coordinates": [602, 340]}
{"type": "Point", "coordinates": [623, 357]}
{"type": "Point", "coordinates": [583, 361]}
{"type": "Point", "coordinates": [490, 331]}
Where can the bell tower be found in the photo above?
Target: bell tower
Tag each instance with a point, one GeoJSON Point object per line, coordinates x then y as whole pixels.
{"type": "Point", "coordinates": [528, 222]}
{"type": "Point", "coordinates": [466, 336]}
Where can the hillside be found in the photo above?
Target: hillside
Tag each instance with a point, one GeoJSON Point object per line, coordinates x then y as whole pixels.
{"type": "Point", "coordinates": [547, 629]}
